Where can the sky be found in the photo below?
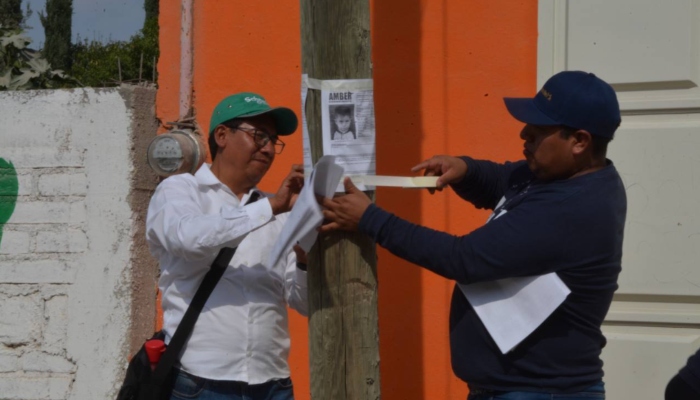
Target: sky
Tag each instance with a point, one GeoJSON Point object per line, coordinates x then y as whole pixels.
{"type": "Point", "coordinates": [102, 20]}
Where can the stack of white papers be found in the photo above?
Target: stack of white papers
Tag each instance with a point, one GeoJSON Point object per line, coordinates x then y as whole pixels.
{"type": "Point", "coordinates": [306, 215]}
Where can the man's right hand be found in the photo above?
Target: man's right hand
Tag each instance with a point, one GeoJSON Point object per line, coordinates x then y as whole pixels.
{"type": "Point", "coordinates": [289, 190]}
{"type": "Point", "coordinates": [449, 169]}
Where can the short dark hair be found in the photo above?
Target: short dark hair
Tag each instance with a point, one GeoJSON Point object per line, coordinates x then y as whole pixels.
{"type": "Point", "coordinates": [232, 124]}
{"type": "Point", "coordinates": [343, 110]}
{"type": "Point", "coordinates": [599, 144]}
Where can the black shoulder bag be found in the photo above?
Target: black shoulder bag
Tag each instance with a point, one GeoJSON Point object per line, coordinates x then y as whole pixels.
{"type": "Point", "coordinates": [140, 382]}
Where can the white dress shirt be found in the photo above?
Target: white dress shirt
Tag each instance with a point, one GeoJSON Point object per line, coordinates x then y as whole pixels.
{"type": "Point", "coordinates": [242, 332]}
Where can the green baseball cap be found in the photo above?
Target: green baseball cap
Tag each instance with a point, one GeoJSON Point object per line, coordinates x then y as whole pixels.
{"type": "Point", "coordinates": [242, 105]}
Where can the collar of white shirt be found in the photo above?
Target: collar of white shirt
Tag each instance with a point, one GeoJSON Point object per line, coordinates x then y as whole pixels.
{"type": "Point", "coordinates": [205, 177]}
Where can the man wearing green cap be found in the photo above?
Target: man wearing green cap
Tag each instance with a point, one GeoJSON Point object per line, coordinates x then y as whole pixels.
{"type": "Point", "coordinates": [240, 343]}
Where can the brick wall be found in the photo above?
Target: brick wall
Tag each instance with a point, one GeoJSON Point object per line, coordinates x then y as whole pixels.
{"type": "Point", "coordinates": [72, 259]}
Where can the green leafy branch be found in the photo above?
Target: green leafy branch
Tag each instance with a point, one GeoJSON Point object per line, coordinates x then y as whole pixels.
{"type": "Point", "coordinates": [22, 68]}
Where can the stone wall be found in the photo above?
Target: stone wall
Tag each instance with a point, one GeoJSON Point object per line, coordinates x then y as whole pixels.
{"type": "Point", "coordinates": [77, 285]}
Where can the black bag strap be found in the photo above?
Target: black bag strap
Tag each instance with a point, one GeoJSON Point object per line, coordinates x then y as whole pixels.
{"type": "Point", "coordinates": [184, 329]}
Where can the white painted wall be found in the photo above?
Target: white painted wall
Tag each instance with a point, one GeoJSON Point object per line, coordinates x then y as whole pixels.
{"type": "Point", "coordinates": [64, 255]}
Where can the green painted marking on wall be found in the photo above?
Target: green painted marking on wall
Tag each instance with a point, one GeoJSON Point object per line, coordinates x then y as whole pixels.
{"type": "Point", "coordinates": [9, 187]}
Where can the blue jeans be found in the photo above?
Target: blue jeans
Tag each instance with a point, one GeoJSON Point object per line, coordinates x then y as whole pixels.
{"type": "Point", "coordinates": [595, 392]}
{"type": "Point", "coordinates": [189, 387]}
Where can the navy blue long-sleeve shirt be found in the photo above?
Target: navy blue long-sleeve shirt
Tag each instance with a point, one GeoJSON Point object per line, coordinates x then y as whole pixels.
{"type": "Point", "coordinates": [573, 227]}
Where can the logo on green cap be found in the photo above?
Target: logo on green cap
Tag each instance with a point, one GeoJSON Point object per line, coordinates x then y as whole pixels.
{"type": "Point", "coordinates": [256, 100]}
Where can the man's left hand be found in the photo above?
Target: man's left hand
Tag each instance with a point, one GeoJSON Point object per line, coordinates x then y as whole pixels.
{"type": "Point", "coordinates": [344, 212]}
{"type": "Point", "coordinates": [289, 190]}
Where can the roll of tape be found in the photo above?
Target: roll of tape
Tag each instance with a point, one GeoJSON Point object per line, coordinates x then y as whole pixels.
{"type": "Point", "coordinates": [395, 181]}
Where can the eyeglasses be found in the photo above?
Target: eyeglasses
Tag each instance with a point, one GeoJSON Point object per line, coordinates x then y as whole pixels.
{"type": "Point", "coordinates": [262, 138]}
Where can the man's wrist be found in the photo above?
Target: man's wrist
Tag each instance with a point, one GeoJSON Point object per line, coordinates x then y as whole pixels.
{"type": "Point", "coordinates": [301, 266]}
{"type": "Point", "coordinates": [274, 206]}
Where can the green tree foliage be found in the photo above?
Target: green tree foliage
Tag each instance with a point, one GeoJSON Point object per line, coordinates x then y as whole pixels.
{"type": "Point", "coordinates": [57, 28]}
{"type": "Point", "coordinates": [22, 68]}
{"type": "Point", "coordinates": [98, 64]}
{"type": "Point", "coordinates": [11, 13]}
{"type": "Point", "coordinates": [151, 7]}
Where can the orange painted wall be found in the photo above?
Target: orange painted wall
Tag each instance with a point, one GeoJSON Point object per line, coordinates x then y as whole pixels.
{"type": "Point", "coordinates": [441, 68]}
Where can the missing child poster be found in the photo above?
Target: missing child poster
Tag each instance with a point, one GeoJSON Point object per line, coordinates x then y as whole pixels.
{"type": "Point", "coordinates": [347, 112]}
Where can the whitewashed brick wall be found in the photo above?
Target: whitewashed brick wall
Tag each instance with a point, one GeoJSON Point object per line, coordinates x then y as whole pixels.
{"type": "Point", "coordinates": [66, 254]}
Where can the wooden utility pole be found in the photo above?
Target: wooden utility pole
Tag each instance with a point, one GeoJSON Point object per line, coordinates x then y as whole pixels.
{"type": "Point", "coordinates": [343, 321]}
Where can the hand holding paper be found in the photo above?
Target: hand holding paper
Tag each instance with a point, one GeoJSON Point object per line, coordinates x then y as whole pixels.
{"type": "Point", "coordinates": [306, 214]}
{"type": "Point", "coordinates": [288, 191]}
{"type": "Point", "coordinates": [344, 212]}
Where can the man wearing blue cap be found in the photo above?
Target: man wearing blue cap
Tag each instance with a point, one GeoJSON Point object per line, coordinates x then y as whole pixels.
{"type": "Point", "coordinates": [240, 343]}
{"type": "Point", "coordinates": [561, 210]}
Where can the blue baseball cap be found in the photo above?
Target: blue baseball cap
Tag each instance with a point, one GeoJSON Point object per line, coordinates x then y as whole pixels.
{"type": "Point", "coordinates": [575, 99]}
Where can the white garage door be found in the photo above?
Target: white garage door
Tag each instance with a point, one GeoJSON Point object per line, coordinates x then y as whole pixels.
{"type": "Point", "coordinates": [650, 52]}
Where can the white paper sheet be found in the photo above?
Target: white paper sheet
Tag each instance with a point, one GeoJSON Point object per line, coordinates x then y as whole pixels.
{"type": "Point", "coordinates": [512, 308]}
{"type": "Point", "coordinates": [306, 142]}
{"type": "Point", "coordinates": [306, 215]}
